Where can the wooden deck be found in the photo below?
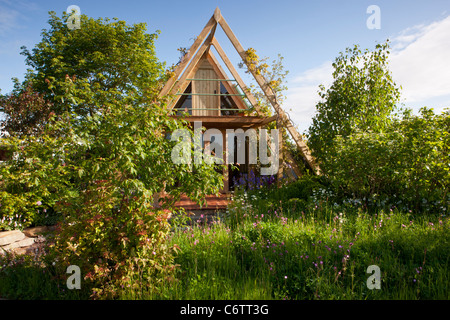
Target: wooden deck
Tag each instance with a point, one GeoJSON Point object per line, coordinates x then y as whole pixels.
{"type": "Point", "coordinates": [212, 203]}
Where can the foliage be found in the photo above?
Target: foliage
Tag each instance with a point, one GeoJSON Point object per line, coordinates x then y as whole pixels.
{"type": "Point", "coordinates": [409, 160]}
{"type": "Point", "coordinates": [274, 76]}
{"type": "Point", "coordinates": [362, 97]}
{"type": "Point", "coordinates": [316, 254]}
{"type": "Point", "coordinates": [27, 111]}
{"type": "Point", "coordinates": [275, 251]}
{"type": "Point", "coordinates": [114, 59]}
{"type": "Point", "coordinates": [103, 174]}
{"type": "Point", "coordinates": [23, 277]}
{"type": "Point", "coordinates": [370, 149]}
{"type": "Point", "coordinates": [116, 241]}
{"type": "Point", "coordinates": [102, 161]}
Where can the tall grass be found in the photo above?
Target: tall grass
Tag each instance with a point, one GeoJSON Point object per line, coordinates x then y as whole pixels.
{"type": "Point", "coordinates": [279, 252]}
{"type": "Point", "coordinates": [294, 249]}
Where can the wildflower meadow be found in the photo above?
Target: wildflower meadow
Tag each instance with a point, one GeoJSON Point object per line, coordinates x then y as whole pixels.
{"type": "Point", "coordinates": [269, 247]}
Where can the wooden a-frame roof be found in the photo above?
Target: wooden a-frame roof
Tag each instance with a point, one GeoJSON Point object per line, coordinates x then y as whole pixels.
{"type": "Point", "coordinates": [200, 50]}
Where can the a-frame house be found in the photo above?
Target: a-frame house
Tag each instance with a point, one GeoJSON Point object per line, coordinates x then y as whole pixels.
{"type": "Point", "coordinates": [200, 87]}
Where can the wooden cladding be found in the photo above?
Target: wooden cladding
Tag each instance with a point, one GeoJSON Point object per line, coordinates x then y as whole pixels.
{"type": "Point", "coordinates": [207, 90]}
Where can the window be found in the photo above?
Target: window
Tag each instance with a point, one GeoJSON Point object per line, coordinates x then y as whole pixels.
{"type": "Point", "coordinates": [226, 103]}
{"type": "Point", "coordinates": [185, 102]}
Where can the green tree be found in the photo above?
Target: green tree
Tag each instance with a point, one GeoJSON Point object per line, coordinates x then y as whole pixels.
{"type": "Point", "coordinates": [407, 165]}
{"type": "Point", "coordinates": [101, 175]}
{"type": "Point", "coordinates": [361, 97]}
{"type": "Point", "coordinates": [27, 111]}
{"type": "Point", "coordinates": [102, 172]}
{"type": "Point", "coordinates": [117, 61]}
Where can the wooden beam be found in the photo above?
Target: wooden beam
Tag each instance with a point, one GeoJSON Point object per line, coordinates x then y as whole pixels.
{"type": "Point", "coordinates": [182, 83]}
{"type": "Point", "coordinates": [290, 160]}
{"type": "Point", "coordinates": [236, 76]}
{"type": "Point", "coordinates": [213, 32]}
{"type": "Point", "coordinates": [272, 98]}
{"type": "Point", "coordinates": [217, 15]}
{"type": "Point", "coordinates": [280, 153]}
{"type": "Point", "coordinates": [219, 70]}
{"type": "Point", "coordinates": [251, 98]}
{"type": "Point", "coordinates": [212, 23]}
{"type": "Point", "coordinates": [266, 121]}
{"type": "Point", "coordinates": [233, 121]}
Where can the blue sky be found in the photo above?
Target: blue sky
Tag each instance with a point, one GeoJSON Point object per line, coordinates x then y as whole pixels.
{"type": "Point", "coordinates": [308, 34]}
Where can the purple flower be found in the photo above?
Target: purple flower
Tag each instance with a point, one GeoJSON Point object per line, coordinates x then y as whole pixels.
{"type": "Point", "coordinates": [39, 203]}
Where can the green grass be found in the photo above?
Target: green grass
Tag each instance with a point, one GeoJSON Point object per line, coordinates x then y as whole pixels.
{"type": "Point", "coordinates": [24, 278]}
{"type": "Point", "coordinates": [264, 251]}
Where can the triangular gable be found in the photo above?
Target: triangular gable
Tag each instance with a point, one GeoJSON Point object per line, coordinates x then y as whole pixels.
{"type": "Point", "coordinates": [200, 49]}
{"type": "Point", "coordinates": [206, 68]}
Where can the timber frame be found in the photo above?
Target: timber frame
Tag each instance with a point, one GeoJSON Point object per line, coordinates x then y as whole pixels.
{"type": "Point", "coordinates": [187, 69]}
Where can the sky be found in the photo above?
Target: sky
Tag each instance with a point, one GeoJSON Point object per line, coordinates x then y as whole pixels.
{"type": "Point", "coordinates": [308, 34]}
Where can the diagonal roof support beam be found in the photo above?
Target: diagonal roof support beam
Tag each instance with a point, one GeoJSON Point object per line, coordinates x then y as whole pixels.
{"type": "Point", "coordinates": [231, 89]}
{"type": "Point", "coordinates": [249, 95]}
{"type": "Point", "coordinates": [236, 76]}
{"type": "Point", "coordinates": [272, 98]}
{"type": "Point", "coordinates": [182, 83]}
{"type": "Point", "coordinates": [212, 23]}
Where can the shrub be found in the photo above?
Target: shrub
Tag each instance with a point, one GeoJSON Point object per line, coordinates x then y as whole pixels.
{"type": "Point", "coordinates": [407, 166]}
{"type": "Point", "coordinates": [103, 175]}
{"type": "Point", "coordinates": [115, 246]}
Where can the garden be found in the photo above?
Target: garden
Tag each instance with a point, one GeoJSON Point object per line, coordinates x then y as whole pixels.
{"type": "Point", "coordinates": [87, 153]}
{"type": "Point", "coordinates": [270, 245]}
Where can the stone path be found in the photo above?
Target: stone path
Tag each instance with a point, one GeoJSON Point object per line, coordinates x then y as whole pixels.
{"type": "Point", "coordinates": [28, 241]}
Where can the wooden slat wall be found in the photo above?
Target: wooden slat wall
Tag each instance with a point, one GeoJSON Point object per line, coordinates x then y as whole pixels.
{"type": "Point", "coordinates": [206, 71]}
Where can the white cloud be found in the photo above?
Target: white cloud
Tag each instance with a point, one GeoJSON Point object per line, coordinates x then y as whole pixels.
{"type": "Point", "coordinates": [8, 19]}
{"type": "Point", "coordinates": [14, 13]}
{"type": "Point", "coordinates": [420, 63]}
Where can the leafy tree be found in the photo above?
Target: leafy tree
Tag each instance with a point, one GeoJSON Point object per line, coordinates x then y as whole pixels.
{"type": "Point", "coordinates": [27, 111]}
{"type": "Point", "coordinates": [102, 170]}
{"type": "Point", "coordinates": [101, 174]}
{"type": "Point", "coordinates": [407, 165]}
{"type": "Point", "coordinates": [423, 143]}
{"type": "Point", "coordinates": [274, 76]}
{"type": "Point", "coordinates": [369, 149]}
{"type": "Point", "coordinates": [116, 60]}
{"type": "Point", "coordinates": [362, 97]}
